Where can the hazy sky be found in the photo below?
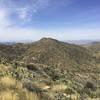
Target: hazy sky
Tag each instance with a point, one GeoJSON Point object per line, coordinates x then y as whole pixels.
{"type": "Point", "coordinates": [60, 19]}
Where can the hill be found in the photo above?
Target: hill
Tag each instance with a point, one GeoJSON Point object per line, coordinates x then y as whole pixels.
{"type": "Point", "coordinates": [49, 70]}
{"type": "Point", "coordinates": [95, 46]}
{"type": "Point", "coordinates": [47, 51]}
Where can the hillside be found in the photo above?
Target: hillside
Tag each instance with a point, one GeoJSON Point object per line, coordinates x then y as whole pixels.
{"type": "Point", "coordinates": [46, 51]}
{"type": "Point", "coordinates": [49, 69]}
{"type": "Point", "coordinates": [95, 46]}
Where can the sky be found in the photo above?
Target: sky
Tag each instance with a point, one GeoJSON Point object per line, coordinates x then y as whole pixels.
{"type": "Point", "coordinates": [59, 19]}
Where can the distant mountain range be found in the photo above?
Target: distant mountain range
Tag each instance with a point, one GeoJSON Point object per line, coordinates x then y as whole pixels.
{"type": "Point", "coordinates": [14, 42]}
{"type": "Point", "coordinates": [81, 41]}
{"type": "Point", "coordinates": [69, 41]}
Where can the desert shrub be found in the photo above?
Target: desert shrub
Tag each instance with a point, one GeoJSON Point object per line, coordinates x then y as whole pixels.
{"type": "Point", "coordinates": [90, 85]}
{"type": "Point", "coordinates": [52, 73]}
{"type": "Point", "coordinates": [32, 67]}
{"type": "Point", "coordinates": [55, 77]}
{"type": "Point", "coordinates": [24, 94]}
{"type": "Point", "coordinates": [31, 87]}
{"type": "Point", "coordinates": [88, 92]}
{"type": "Point", "coordinates": [50, 83]}
{"type": "Point", "coordinates": [16, 65]}
{"type": "Point", "coordinates": [69, 91]}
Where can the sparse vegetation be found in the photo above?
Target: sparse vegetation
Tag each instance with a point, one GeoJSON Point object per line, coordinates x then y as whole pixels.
{"type": "Point", "coordinates": [48, 70]}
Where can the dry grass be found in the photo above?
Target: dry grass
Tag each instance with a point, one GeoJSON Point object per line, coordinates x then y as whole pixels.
{"type": "Point", "coordinates": [60, 87]}
{"type": "Point", "coordinates": [31, 95]}
{"type": "Point", "coordinates": [8, 82]}
{"type": "Point", "coordinates": [8, 95]}
{"type": "Point", "coordinates": [3, 68]}
{"type": "Point", "coordinates": [12, 90]}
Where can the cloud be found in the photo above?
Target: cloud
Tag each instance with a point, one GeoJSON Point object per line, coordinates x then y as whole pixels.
{"type": "Point", "coordinates": [4, 22]}
{"type": "Point", "coordinates": [22, 13]}
{"type": "Point", "coordinates": [10, 34]}
{"type": "Point", "coordinates": [21, 10]}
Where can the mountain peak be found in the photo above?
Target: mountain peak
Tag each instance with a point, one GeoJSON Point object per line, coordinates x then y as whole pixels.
{"type": "Point", "coordinates": [47, 39]}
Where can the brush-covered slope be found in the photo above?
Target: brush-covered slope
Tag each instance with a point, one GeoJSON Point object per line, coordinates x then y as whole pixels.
{"type": "Point", "coordinates": [48, 70]}
{"type": "Point", "coordinates": [52, 52]}
{"type": "Point", "coordinates": [9, 53]}
{"type": "Point", "coordinates": [95, 46]}
{"type": "Point", "coordinates": [47, 51]}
